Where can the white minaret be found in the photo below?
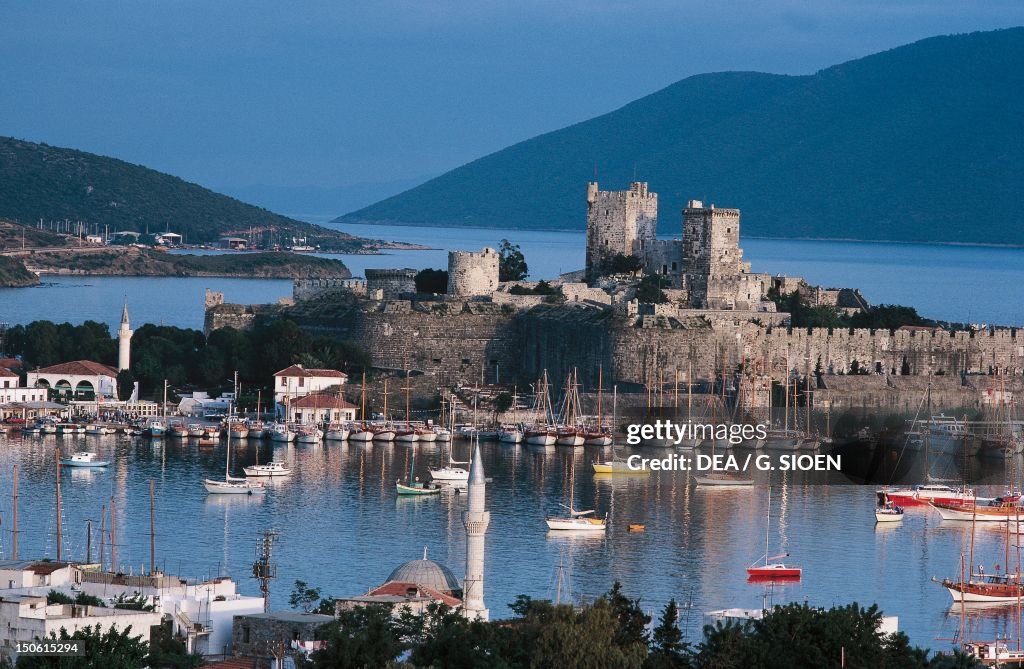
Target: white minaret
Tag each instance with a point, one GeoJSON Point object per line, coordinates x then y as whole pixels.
{"type": "Point", "coordinates": [124, 341]}
{"type": "Point", "coordinates": [476, 519]}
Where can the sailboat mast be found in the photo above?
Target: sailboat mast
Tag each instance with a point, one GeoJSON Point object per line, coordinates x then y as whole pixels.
{"type": "Point", "coordinates": [786, 419]}
{"type": "Point", "coordinates": [689, 391]}
{"type": "Point", "coordinates": [152, 530]}
{"type": "Point", "coordinates": [768, 528]}
{"type": "Point", "coordinates": [600, 388]}
{"type": "Point", "coordinates": [14, 502]}
{"type": "Point", "coordinates": [57, 450]}
{"type": "Point", "coordinates": [227, 457]}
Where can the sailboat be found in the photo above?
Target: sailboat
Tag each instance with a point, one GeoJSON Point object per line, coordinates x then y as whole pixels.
{"type": "Point", "coordinates": [576, 521]}
{"type": "Point", "coordinates": [361, 431]}
{"type": "Point", "coordinates": [724, 479]}
{"type": "Point", "coordinates": [385, 432]}
{"type": "Point", "coordinates": [541, 433]}
{"type": "Point", "coordinates": [443, 432]}
{"type": "Point", "coordinates": [413, 485]}
{"type": "Point", "coordinates": [232, 485]}
{"type": "Point", "coordinates": [511, 434]}
{"type": "Point", "coordinates": [451, 472]}
{"type": "Point", "coordinates": [569, 434]}
{"type": "Point", "coordinates": [407, 434]}
{"type": "Point", "coordinates": [336, 431]}
{"type": "Point", "coordinates": [688, 443]}
{"type": "Point", "coordinates": [771, 570]}
{"type": "Point", "coordinates": [601, 436]}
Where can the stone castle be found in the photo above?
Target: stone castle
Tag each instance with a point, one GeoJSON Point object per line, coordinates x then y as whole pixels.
{"type": "Point", "coordinates": [718, 316]}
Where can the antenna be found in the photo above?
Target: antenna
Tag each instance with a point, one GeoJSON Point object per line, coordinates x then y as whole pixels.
{"type": "Point", "coordinates": [264, 569]}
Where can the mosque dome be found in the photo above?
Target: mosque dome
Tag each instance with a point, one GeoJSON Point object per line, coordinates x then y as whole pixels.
{"type": "Point", "coordinates": [428, 573]}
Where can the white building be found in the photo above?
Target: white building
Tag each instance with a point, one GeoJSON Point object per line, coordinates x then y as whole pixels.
{"type": "Point", "coordinates": [12, 391]}
{"type": "Point", "coordinates": [36, 573]}
{"type": "Point", "coordinates": [79, 380]}
{"type": "Point", "coordinates": [319, 408]}
{"type": "Point", "coordinates": [297, 381]}
{"type": "Point", "coordinates": [25, 617]}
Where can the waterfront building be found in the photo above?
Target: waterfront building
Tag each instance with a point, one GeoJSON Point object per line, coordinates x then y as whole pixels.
{"type": "Point", "coordinates": [37, 573]}
{"type": "Point", "coordinates": [296, 381]}
{"type": "Point", "coordinates": [11, 389]}
{"type": "Point", "coordinates": [76, 380]}
{"type": "Point", "coordinates": [320, 408]}
{"type": "Point", "coordinates": [413, 585]}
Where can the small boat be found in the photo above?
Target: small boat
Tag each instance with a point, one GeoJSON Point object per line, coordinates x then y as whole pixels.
{"type": "Point", "coordinates": [336, 432]}
{"type": "Point", "coordinates": [67, 428]}
{"type": "Point", "coordinates": [211, 432]}
{"type": "Point", "coordinates": [426, 435]}
{"type": "Point", "coordinates": [443, 434]}
{"type": "Point", "coordinates": [256, 430]}
{"type": "Point", "coordinates": [451, 472]}
{"type": "Point", "coordinates": [617, 467]}
{"type": "Point", "coordinates": [155, 429]}
{"type": "Point", "coordinates": [510, 434]}
{"type": "Point", "coordinates": [637, 527]}
{"type": "Point", "coordinates": [986, 588]}
{"type": "Point", "coordinates": [771, 570]}
{"type": "Point", "coordinates": [406, 436]}
{"type": "Point", "coordinates": [360, 432]}
{"type": "Point", "coordinates": [238, 429]}
{"type": "Point", "coordinates": [994, 653]}
{"type": "Point", "coordinates": [886, 511]}
{"type": "Point", "coordinates": [417, 487]}
{"type": "Point", "coordinates": [83, 459]}
{"type": "Point", "coordinates": [273, 468]}
{"type": "Point", "coordinates": [724, 480]}
{"type": "Point", "coordinates": [541, 436]}
{"type": "Point", "coordinates": [178, 431]}
{"type": "Point", "coordinates": [578, 521]}
{"type": "Point", "coordinates": [783, 440]}
{"type": "Point", "coordinates": [309, 434]}
{"type": "Point", "coordinates": [597, 438]}
{"type": "Point", "coordinates": [234, 486]}
{"type": "Point", "coordinates": [32, 429]}
{"type": "Point", "coordinates": [383, 433]}
{"type": "Point", "coordinates": [281, 433]}
{"type": "Point", "coordinates": [195, 430]}
{"type": "Point", "coordinates": [96, 429]}
{"type": "Point", "coordinates": [568, 436]}
{"type": "Point", "coordinates": [48, 427]}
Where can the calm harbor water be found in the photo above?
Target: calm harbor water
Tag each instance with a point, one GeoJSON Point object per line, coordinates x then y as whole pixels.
{"type": "Point", "coordinates": [955, 283]}
{"type": "Point", "coordinates": [343, 528]}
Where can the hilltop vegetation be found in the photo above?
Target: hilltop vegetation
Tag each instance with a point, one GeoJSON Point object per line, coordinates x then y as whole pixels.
{"type": "Point", "coordinates": [54, 184]}
{"type": "Point", "coordinates": [13, 274]}
{"type": "Point", "coordinates": [134, 261]}
{"type": "Point", "coordinates": [919, 143]}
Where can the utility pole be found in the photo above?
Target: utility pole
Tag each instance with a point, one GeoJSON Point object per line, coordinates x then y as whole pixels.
{"type": "Point", "coordinates": [264, 569]}
{"type": "Point", "coordinates": [152, 530]}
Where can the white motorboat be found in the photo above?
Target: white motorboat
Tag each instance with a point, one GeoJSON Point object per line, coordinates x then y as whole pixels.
{"type": "Point", "coordinates": [274, 468]}
{"type": "Point", "coordinates": [451, 472]}
{"type": "Point", "coordinates": [96, 429]}
{"type": "Point", "coordinates": [83, 459]}
{"type": "Point", "coordinates": [888, 514]}
{"type": "Point", "coordinates": [195, 430]}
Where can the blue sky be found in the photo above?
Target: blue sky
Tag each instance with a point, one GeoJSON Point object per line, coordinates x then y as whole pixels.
{"type": "Point", "coordinates": [235, 93]}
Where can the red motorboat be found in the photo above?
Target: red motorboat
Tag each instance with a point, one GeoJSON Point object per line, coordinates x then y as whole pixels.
{"type": "Point", "coordinates": [923, 495]}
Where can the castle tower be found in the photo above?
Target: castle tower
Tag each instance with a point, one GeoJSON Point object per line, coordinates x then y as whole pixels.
{"type": "Point", "coordinates": [623, 222]}
{"type": "Point", "coordinates": [711, 251]}
{"type": "Point", "coordinates": [471, 274]}
{"type": "Point", "coordinates": [124, 341]}
{"type": "Point", "coordinates": [476, 519]}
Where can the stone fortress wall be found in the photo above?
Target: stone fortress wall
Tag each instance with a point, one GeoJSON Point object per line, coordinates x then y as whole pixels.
{"type": "Point", "coordinates": [619, 222]}
{"type": "Point", "coordinates": [385, 284]}
{"type": "Point", "coordinates": [307, 289]}
{"type": "Point", "coordinates": [472, 274]}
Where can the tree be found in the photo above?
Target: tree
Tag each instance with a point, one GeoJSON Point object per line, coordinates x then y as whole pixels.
{"type": "Point", "coordinates": [621, 263]}
{"type": "Point", "coordinates": [125, 384]}
{"type": "Point", "coordinates": [511, 263]}
{"type": "Point", "coordinates": [502, 402]}
{"type": "Point", "coordinates": [304, 597]}
{"type": "Point", "coordinates": [360, 637]}
{"type": "Point", "coordinates": [112, 649]}
{"type": "Point", "coordinates": [432, 281]}
{"type": "Point", "coordinates": [649, 290]}
{"type": "Point", "coordinates": [668, 651]}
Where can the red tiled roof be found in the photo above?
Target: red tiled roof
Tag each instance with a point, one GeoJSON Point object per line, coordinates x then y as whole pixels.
{"type": "Point", "coordinates": [10, 363]}
{"type": "Point", "coordinates": [401, 589]}
{"type": "Point", "coordinates": [6, 372]}
{"type": "Point", "coordinates": [299, 370]}
{"type": "Point", "coordinates": [321, 401]}
{"type": "Point", "coordinates": [80, 368]}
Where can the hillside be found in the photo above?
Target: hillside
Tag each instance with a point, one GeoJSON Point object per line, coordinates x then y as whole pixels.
{"type": "Point", "coordinates": [133, 261]}
{"type": "Point", "coordinates": [919, 143]}
{"type": "Point", "coordinates": [38, 181]}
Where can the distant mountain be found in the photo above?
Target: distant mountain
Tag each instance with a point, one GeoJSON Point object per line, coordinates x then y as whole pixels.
{"type": "Point", "coordinates": [38, 181]}
{"type": "Point", "coordinates": [920, 143]}
{"type": "Point", "coordinates": [316, 203]}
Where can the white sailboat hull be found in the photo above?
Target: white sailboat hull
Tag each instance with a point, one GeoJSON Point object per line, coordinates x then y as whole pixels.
{"type": "Point", "coordinates": [449, 474]}
{"type": "Point", "coordinates": [233, 488]}
{"type": "Point", "coordinates": [577, 524]}
{"type": "Point", "coordinates": [726, 481]}
{"type": "Point", "coordinates": [360, 435]}
{"type": "Point", "coordinates": [541, 439]}
{"type": "Point", "coordinates": [336, 435]}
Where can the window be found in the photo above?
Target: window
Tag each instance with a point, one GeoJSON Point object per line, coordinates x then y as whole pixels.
{"type": "Point", "coordinates": [674, 268]}
{"type": "Point", "coordinates": [284, 381]}
{"type": "Point", "coordinates": [302, 381]}
{"type": "Point", "coordinates": [245, 634]}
